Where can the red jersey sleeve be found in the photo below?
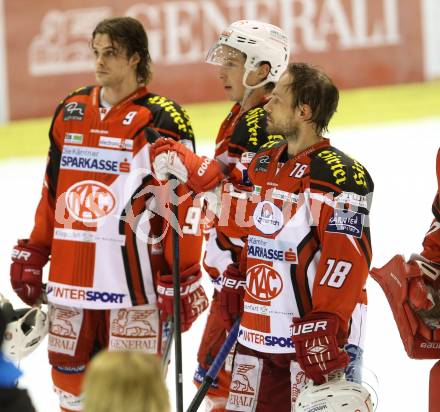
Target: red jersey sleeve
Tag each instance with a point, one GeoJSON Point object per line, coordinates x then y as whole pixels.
{"type": "Point", "coordinates": [340, 205]}
{"type": "Point", "coordinates": [45, 214]}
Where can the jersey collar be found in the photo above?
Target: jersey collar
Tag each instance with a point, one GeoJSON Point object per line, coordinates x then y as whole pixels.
{"type": "Point", "coordinates": [141, 91]}
{"type": "Point", "coordinates": [281, 153]}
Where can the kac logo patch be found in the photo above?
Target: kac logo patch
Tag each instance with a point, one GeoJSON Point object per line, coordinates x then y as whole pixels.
{"type": "Point", "coordinates": [263, 282]}
{"type": "Point", "coordinates": [90, 201]}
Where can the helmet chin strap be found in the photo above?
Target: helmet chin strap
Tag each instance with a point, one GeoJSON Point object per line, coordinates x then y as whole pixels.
{"type": "Point", "coordinates": [249, 88]}
{"type": "Point", "coordinates": [256, 86]}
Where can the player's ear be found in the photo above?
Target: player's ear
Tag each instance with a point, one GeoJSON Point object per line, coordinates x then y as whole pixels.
{"type": "Point", "coordinates": [305, 112]}
{"type": "Point", "coordinates": [134, 59]}
{"type": "Point", "coordinates": [263, 70]}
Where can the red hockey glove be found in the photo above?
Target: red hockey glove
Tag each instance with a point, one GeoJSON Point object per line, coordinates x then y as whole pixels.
{"type": "Point", "coordinates": [412, 290]}
{"type": "Point", "coordinates": [232, 294]}
{"type": "Point", "coordinates": [200, 173]}
{"type": "Point", "coordinates": [193, 300]}
{"type": "Point", "coordinates": [316, 346]}
{"type": "Point", "coordinates": [27, 270]}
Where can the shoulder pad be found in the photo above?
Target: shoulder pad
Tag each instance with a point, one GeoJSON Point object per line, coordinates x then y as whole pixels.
{"type": "Point", "coordinates": [251, 128]}
{"type": "Point", "coordinates": [335, 168]}
{"type": "Point", "coordinates": [81, 91]}
{"type": "Point", "coordinates": [260, 163]}
{"type": "Point", "coordinates": [250, 131]}
{"type": "Point", "coordinates": [169, 117]}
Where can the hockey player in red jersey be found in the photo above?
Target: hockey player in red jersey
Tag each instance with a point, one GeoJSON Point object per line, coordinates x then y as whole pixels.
{"type": "Point", "coordinates": [250, 56]}
{"type": "Point", "coordinates": [306, 259]}
{"type": "Point", "coordinates": [103, 219]}
{"type": "Point", "coordinates": [413, 292]}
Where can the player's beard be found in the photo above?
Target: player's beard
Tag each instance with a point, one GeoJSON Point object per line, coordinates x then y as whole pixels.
{"type": "Point", "coordinates": [292, 134]}
{"type": "Point", "coordinates": [287, 129]}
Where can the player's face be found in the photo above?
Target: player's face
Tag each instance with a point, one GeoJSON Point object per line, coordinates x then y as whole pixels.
{"type": "Point", "coordinates": [281, 117]}
{"type": "Point", "coordinates": [112, 67]}
{"type": "Point", "coordinates": [231, 73]}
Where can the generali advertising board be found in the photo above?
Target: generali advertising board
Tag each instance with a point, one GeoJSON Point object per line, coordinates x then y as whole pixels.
{"type": "Point", "coordinates": [359, 42]}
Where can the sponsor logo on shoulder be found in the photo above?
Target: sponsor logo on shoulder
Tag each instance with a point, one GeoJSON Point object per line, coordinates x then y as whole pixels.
{"type": "Point", "coordinates": [352, 199]}
{"type": "Point", "coordinates": [73, 138]}
{"type": "Point", "coordinates": [247, 157]}
{"type": "Point", "coordinates": [268, 218]}
{"type": "Point", "coordinates": [115, 143]}
{"type": "Point", "coordinates": [262, 164]}
{"type": "Point", "coordinates": [346, 222]}
{"type": "Point", "coordinates": [74, 111]}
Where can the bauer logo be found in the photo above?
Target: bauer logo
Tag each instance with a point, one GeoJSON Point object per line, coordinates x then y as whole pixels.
{"type": "Point", "coordinates": [95, 160]}
{"type": "Point", "coordinates": [268, 218]}
{"type": "Point", "coordinates": [346, 222]}
{"type": "Point", "coordinates": [74, 111]}
{"type": "Point", "coordinates": [263, 282]}
{"type": "Point", "coordinates": [90, 201]}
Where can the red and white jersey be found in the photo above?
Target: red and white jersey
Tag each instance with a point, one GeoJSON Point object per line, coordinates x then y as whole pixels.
{"type": "Point", "coordinates": [102, 214]}
{"type": "Point", "coordinates": [431, 243]}
{"type": "Point", "coordinates": [308, 248]}
{"type": "Point", "coordinates": [240, 137]}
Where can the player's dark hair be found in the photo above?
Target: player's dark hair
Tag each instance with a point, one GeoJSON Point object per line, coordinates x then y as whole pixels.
{"type": "Point", "coordinates": [131, 36]}
{"type": "Point", "coordinates": [313, 87]}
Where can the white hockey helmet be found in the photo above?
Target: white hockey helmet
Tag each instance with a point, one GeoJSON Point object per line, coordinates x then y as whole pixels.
{"type": "Point", "coordinates": [334, 396]}
{"type": "Point", "coordinates": [25, 329]}
{"type": "Point", "coordinates": [260, 42]}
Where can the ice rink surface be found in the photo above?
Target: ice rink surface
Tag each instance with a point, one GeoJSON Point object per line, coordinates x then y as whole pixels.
{"type": "Point", "coordinates": [401, 160]}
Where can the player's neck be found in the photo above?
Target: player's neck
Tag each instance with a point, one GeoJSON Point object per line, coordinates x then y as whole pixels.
{"type": "Point", "coordinates": [300, 141]}
{"type": "Point", "coordinates": [252, 98]}
{"type": "Point", "coordinates": [116, 93]}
